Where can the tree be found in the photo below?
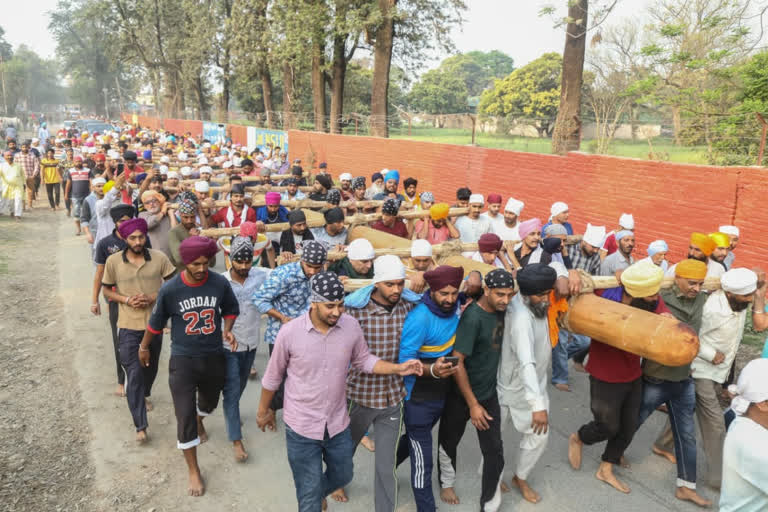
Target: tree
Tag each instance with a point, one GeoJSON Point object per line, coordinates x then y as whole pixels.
{"type": "Point", "coordinates": [478, 69]}
{"type": "Point", "coordinates": [530, 93]}
{"type": "Point", "coordinates": [30, 81]}
{"type": "Point", "coordinates": [439, 92]}
{"type": "Point", "coordinates": [6, 50]}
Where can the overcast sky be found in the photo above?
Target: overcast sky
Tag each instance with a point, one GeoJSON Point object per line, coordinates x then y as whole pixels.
{"type": "Point", "coordinates": [512, 26]}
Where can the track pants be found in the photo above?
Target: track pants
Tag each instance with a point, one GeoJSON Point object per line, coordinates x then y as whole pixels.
{"type": "Point", "coordinates": [420, 418]}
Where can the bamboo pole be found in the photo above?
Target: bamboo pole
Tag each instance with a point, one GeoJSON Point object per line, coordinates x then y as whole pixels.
{"type": "Point", "coordinates": [302, 203]}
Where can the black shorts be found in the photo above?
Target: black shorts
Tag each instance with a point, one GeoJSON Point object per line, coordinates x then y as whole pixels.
{"type": "Point", "coordinates": [196, 383]}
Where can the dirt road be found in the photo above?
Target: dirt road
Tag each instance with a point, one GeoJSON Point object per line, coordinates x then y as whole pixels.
{"type": "Point", "coordinates": [66, 442]}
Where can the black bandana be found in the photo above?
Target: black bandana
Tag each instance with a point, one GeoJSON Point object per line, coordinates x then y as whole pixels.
{"type": "Point", "coordinates": [358, 182]}
{"type": "Point", "coordinates": [390, 207]}
{"type": "Point", "coordinates": [334, 215]}
{"type": "Point", "coordinates": [119, 211]}
{"type": "Point", "coordinates": [333, 197]}
{"type": "Point", "coordinates": [536, 278]}
{"type": "Point", "coordinates": [499, 278]}
{"type": "Point", "coordinates": [314, 252]}
{"type": "Point", "coordinates": [241, 248]}
{"type": "Point", "coordinates": [326, 287]}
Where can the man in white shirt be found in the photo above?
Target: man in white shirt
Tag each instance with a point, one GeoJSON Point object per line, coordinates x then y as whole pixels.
{"type": "Point", "coordinates": [508, 230]}
{"type": "Point", "coordinates": [745, 457]}
{"type": "Point", "coordinates": [245, 280]}
{"type": "Point", "coordinates": [722, 326]}
{"type": "Point", "coordinates": [494, 214]}
{"type": "Point", "coordinates": [472, 226]}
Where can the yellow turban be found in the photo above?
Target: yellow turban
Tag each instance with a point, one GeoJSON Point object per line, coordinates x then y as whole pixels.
{"type": "Point", "coordinates": [439, 211]}
{"type": "Point", "coordinates": [691, 269]}
{"type": "Point", "coordinates": [108, 186]}
{"type": "Point", "coordinates": [720, 239]}
{"type": "Point", "coordinates": [642, 279]}
{"type": "Point", "coordinates": [703, 242]}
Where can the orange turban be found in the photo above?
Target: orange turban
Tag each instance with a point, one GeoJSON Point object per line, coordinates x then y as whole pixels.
{"type": "Point", "coordinates": [720, 239]}
{"type": "Point", "coordinates": [691, 269]}
{"type": "Point", "coordinates": [439, 211]}
{"type": "Point", "coordinates": [703, 242]}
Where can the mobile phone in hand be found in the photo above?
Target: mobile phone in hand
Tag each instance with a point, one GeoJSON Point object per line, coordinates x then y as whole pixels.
{"type": "Point", "coordinates": [453, 360]}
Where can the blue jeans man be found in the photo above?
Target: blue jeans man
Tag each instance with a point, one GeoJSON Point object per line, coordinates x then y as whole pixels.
{"type": "Point", "coordinates": [569, 346]}
{"type": "Point", "coordinates": [306, 457]}
{"type": "Point", "coordinates": [238, 368]}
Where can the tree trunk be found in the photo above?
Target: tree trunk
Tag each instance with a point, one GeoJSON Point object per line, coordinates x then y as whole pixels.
{"type": "Point", "coordinates": [288, 96]}
{"type": "Point", "coordinates": [567, 133]}
{"type": "Point", "coordinates": [337, 81]}
{"type": "Point", "coordinates": [382, 60]}
{"type": "Point", "coordinates": [266, 92]}
{"type": "Point", "coordinates": [677, 124]}
{"type": "Point", "coordinates": [318, 82]}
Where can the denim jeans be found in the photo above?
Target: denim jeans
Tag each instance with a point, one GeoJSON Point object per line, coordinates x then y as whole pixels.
{"type": "Point", "coordinates": [238, 367]}
{"type": "Point", "coordinates": [680, 398]}
{"type": "Point", "coordinates": [306, 458]}
{"type": "Point", "coordinates": [568, 345]}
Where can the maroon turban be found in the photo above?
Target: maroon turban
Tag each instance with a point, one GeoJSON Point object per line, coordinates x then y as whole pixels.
{"type": "Point", "coordinates": [443, 276]}
{"type": "Point", "coordinates": [489, 242]}
{"type": "Point", "coordinates": [195, 246]}
{"type": "Point", "coordinates": [129, 226]}
{"type": "Point", "coordinates": [494, 199]}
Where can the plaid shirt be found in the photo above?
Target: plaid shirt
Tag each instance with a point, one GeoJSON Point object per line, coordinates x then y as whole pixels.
{"type": "Point", "coordinates": [29, 163]}
{"type": "Point", "coordinates": [589, 264]}
{"type": "Point", "coordinates": [382, 331]}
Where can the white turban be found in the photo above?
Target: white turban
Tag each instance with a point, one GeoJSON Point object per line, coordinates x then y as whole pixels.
{"type": "Point", "coordinates": [206, 169]}
{"type": "Point", "coordinates": [421, 249]}
{"type": "Point", "coordinates": [183, 156]}
{"type": "Point", "coordinates": [514, 206]}
{"type": "Point", "coordinates": [594, 235]}
{"type": "Point", "coordinates": [388, 268]}
{"type": "Point", "coordinates": [202, 186]}
{"type": "Point", "coordinates": [558, 208]}
{"type": "Point", "coordinates": [202, 160]}
{"type": "Point", "coordinates": [627, 221]}
{"type": "Point", "coordinates": [186, 171]}
{"type": "Point", "coordinates": [163, 169]}
{"type": "Point", "coordinates": [657, 246]}
{"type": "Point", "coordinates": [360, 249]}
{"type": "Point", "coordinates": [476, 199]}
{"type": "Point", "coordinates": [98, 181]}
{"type": "Point", "coordinates": [345, 177]}
{"type": "Point", "coordinates": [739, 281]}
{"type": "Point", "coordinates": [729, 230]}
{"type": "Point", "coordinates": [165, 159]}
{"type": "Point", "coordinates": [113, 155]}
{"type": "Point", "coordinates": [752, 386]}
{"type": "Point", "coordinates": [172, 175]}
{"type": "Point", "coordinates": [226, 165]}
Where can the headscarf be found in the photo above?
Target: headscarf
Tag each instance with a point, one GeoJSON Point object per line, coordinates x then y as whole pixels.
{"type": "Point", "coordinates": [272, 198]}
{"type": "Point", "coordinates": [691, 269]}
{"type": "Point", "coordinates": [421, 249]}
{"type": "Point", "coordinates": [536, 278]}
{"type": "Point", "coordinates": [476, 199]}
{"type": "Point", "coordinates": [729, 230]}
{"type": "Point", "coordinates": [703, 242]}
{"type": "Point", "coordinates": [360, 250]}
{"type": "Point", "coordinates": [427, 196]}
{"type": "Point", "coordinates": [514, 206]}
{"type": "Point", "coordinates": [623, 233]}
{"type": "Point", "coordinates": [249, 229]}
{"type": "Point", "coordinates": [296, 216]}
{"type": "Point", "coordinates": [358, 182]}
{"type": "Point", "coordinates": [627, 221]}
{"type": "Point", "coordinates": [195, 246]}
{"type": "Point", "coordinates": [393, 174]}
{"type": "Point", "coordinates": [752, 386]}
{"type": "Point", "coordinates": [376, 176]}
{"type": "Point", "coordinates": [121, 210]}
{"type": "Point", "coordinates": [333, 197]}
{"type": "Point", "coordinates": [529, 226]}
{"type": "Point", "coordinates": [557, 208]}
{"type": "Point", "coordinates": [642, 279]}
{"type": "Point", "coordinates": [129, 226]}
{"type": "Point", "coordinates": [657, 246]}
{"type": "Point", "coordinates": [499, 278]}
{"type": "Point", "coordinates": [489, 242]}
{"type": "Point", "coordinates": [494, 198]}
{"type": "Point", "coordinates": [555, 230]}
{"type": "Point", "coordinates": [147, 155]}
{"type": "Point", "coordinates": [439, 211]}
{"type": "Point", "coordinates": [552, 245]}
{"type": "Point", "coordinates": [390, 207]}
{"type": "Point", "coordinates": [326, 287]}
{"type": "Point", "coordinates": [186, 207]}
{"type": "Point", "coordinates": [152, 194]}
{"type": "Point", "coordinates": [388, 268]}
{"type": "Point", "coordinates": [739, 281]}
{"type": "Point", "coordinates": [444, 275]}
{"type": "Point", "coordinates": [241, 248]}
{"type": "Point", "coordinates": [334, 215]}
{"type": "Point", "coordinates": [720, 239]}
{"type": "Point", "coordinates": [314, 252]}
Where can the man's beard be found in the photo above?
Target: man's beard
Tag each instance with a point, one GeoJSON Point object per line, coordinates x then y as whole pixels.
{"type": "Point", "coordinates": [737, 305]}
{"type": "Point", "coordinates": [539, 310]}
{"type": "Point", "coordinates": [137, 249]}
{"type": "Point", "coordinates": [692, 257]}
{"type": "Point", "coordinates": [242, 272]}
{"type": "Point", "coordinates": [643, 304]}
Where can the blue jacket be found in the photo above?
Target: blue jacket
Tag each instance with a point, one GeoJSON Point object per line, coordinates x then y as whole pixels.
{"type": "Point", "coordinates": [262, 215]}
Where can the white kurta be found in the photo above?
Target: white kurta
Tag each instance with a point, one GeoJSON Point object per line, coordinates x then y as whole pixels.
{"type": "Point", "coordinates": [470, 230]}
{"type": "Point", "coordinates": [496, 222]}
{"type": "Point", "coordinates": [745, 468]}
{"type": "Point", "coordinates": [721, 330]}
{"type": "Point", "coordinates": [506, 233]}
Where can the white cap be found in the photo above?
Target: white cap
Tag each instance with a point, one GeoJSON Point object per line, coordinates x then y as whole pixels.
{"type": "Point", "coordinates": [98, 181]}
{"type": "Point", "coordinates": [113, 155]}
{"type": "Point", "coordinates": [202, 159]}
{"type": "Point", "coordinates": [729, 230]}
{"type": "Point", "coordinates": [226, 165]}
{"type": "Point", "coordinates": [206, 169]}
{"type": "Point", "coordinates": [35, 140]}
{"type": "Point", "coordinates": [202, 186]}
{"type": "Point", "coordinates": [186, 171]}
{"type": "Point", "coordinates": [752, 386]}
{"type": "Point", "coordinates": [476, 199]}
{"type": "Point", "coordinates": [165, 159]}
{"type": "Point", "coordinates": [163, 169]}
{"type": "Point", "coordinates": [514, 206]}
{"type": "Point", "coordinates": [173, 174]}
{"type": "Point", "coordinates": [558, 208]}
{"type": "Point", "coordinates": [739, 281]}
{"type": "Point", "coordinates": [627, 221]}
{"type": "Point", "coordinates": [345, 177]}
{"type": "Point", "coordinates": [594, 235]}
{"type": "Point", "coordinates": [388, 268]}
{"type": "Point", "coordinates": [183, 156]}
{"type": "Point", "coordinates": [421, 249]}
{"type": "Point", "coordinates": [360, 249]}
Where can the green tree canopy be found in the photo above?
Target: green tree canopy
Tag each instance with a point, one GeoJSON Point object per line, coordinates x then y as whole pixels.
{"type": "Point", "coordinates": [439, 92]}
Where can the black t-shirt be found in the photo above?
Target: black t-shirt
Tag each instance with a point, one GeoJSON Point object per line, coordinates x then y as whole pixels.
{"type": "Point", "coordinates": [196, 313]}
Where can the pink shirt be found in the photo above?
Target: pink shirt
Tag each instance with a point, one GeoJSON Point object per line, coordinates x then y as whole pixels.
{"type": "Point", "coordinates": [315, 367]}
{"type": "Point", "coordinates": [434, 235]}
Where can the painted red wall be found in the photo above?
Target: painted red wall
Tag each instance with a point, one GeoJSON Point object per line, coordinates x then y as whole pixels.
{"type": "Point", "coordinates": [668, 200]}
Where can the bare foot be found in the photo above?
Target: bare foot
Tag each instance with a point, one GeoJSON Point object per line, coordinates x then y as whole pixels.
{"type": "Point", "coordinates": [664, 453]}
{"type": "Point", "coordinates": [448, 495]}
{"type": "Point", "coordinates": [503, 487]}
{"type": "Point", "coordinates": [623, 462]}
{"type": "Point", "coordinates": [142, 437]}
{"type": "Point", "coordinates": [605, 474]}
{"type": "Point", "coordinates": [240, 454]}
{"type": "Point", "coordinates": [254, 374]}
{"type": "Point", "coordinates": [196, 484]}
{"type": "Point", "coordinates": [528, 493]}
{"type": "Point", "coordinates": [563, 387]}
{"type": "Point", "coordinates": [201, 433]}
{"type": "Point", "coordinates": [574, 451]}
{"type": "Point", "coordinates": [686, 494]}
{"type": "Point", "coordinates": [368, 443]}
{"type": "Point", "coordinates": [148, 404]}
{"type": "Point", "coordinates": [339, 495]}
{"type": "Point", "coordinates": [120, 390]}
{"type": "Point", "coordinates": [579, 367]}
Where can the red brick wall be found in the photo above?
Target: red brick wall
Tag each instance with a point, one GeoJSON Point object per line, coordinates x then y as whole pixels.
{"type": "Point", "coordinates": [668, 200]}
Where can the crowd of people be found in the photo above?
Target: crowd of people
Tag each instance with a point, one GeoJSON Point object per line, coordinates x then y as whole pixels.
{"type": "Point", "coordinates": [419, 343]}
